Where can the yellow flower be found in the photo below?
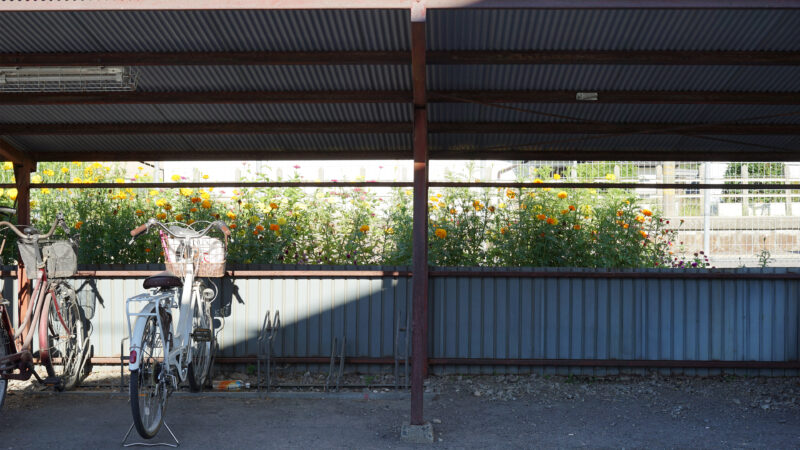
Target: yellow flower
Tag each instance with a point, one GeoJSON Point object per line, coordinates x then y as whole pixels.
{"type": "Point", "coordinates": [176, 177]}
{"type": "Point", "coordinates": [640, 218]}
{"type": "Point", "coordinates": [231, 215]}
{"type": "Point", "coordinates": [12, 193]}
{"type": "Point", "coordinates": [63, 169]}
{"type": "Point", "coordinates": [76, 180]}
{"type": "Point", "coordinates": [610, 177]}
{"type": "Point", "coordinates": [49, 172]}
{"type": "Point", "coordinates": [45, 191]}
{"type": "Point", "coordinates": [161, 202]}
{"type": "Point", "coordinates": [205, 177]}
{"type": "Point", "coordinates": [552, 221]}
{"type": "Point", "coordinates": [389, 230]}
{"type": "Point", "coordinates": [538, 181]}
{"type": "Point", "coordinates": [409, 192]}
{"type": "Point", "coordinates": [274, 227]}
{"type": "Point", "coordinates": [206, 204]}
{"type": "Point", "coordinates": [186, 192]}
{"type": "Point", "coordinates": [556, 176]}
{"type": "Point", "coordinates": [77, 163]}
{"type": "Point", "coordinates": [205, 196]}
{"type": "Point", "coordinates": [502, 206]}
{"type": "Point", "coordinates": [433, 199]}
{"type": "Point", "coordinates": [153, 193]}
{"type": "Point", "coordinates": [562, 195]}
{"type": "Point", "coordinates": [119, 180]}
{"type": "Point", "coordinates": [364, 228]}
{"type": "Point", "coordinates": [36, 179]}
{"type": "Point", "coordinates": [281, 221]}
{"type": "Point", "coordinates": [441, 233]}
{"type": "Point", "coordinates": [8, 165]}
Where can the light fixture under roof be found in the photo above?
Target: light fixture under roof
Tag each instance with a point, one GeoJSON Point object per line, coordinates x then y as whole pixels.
{"type": "Point", "coordinates": [67, 79]}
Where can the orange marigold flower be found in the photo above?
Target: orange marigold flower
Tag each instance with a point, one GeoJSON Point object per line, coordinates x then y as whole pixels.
{"type": "Point", "coordinates": [640, 218]}
{"type": "Point", "coordinates": [196, 199]}
{"type": "Point", "coordinates": [259, 227]}
{"type": "Point", "coordinates": [147, 250]}
{"type": "Point", "coordinates": [541, 217]}
{"type": "Point", "coordinates": [572, 207]}
{"type": "Point", "coordinates": [364, 228]}
{"type": "Point", "coordinates": [562, 195]}
{"type": "Point", "coordinates": [552, 221]}
{"type": "Point", "coordinates": [620, 213]}
{"type": "Point", "coordinates": [625, 226]}
{"type": "Point", "coordinates": [274, 227]}
{"type": "Point", "coordinates": [139, 212]}
{"type": "Point", "coordinates": [232, 226]}
{"type": "Point", "coordinates": [504, 230]}
{"type": "Point", "coordinates": [78, 225]}
{"type": "Point", "coordinates": [564, 211]}
{"type": "Point", "coordinates": [491, 209]}
{"type": "Point", "coordinates": [647, 212]}
{"type": "Point", "coordinates": [510, 193]}
{"type": "Point", "coordinates": [642, 232]}
{"type": "Point", "coordinates": [161, 216]}
{"type": "Point", "coordinates": [453, 210]}
{"type": "Point", "coordinates": [576, 227]}
{"type": "Point", "coordinates": [441, 233]}
{"type": "Point", "coordinates": [273, 205]}
{"type": "Point", "coordinates": [167, 207]}
{"type": "Point", "coordinates": [537, 181]}
{"type": "Point", "coordinates": [193, 210]}
{"type": "Point", "coordinates": [206, 204]}
{"type": "Point", "coordinates": [255, 232]}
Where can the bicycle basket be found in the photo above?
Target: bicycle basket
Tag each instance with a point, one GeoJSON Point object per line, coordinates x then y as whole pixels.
{"type": "Point", "coordinates": [31, 255]}
{"type": "Point", "coordinates": [62, 258]}
{"type": "Point", "coordinates": [209, 257]}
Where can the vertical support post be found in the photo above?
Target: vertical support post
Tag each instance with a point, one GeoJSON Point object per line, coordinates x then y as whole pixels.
{"type": "Point", "coordinates": [668, 176]}
{"type": "Point", "coordinates": [706, 209]}
{"type": "Point", "coordinates": [745, 173]}
{"type": "Point", "coordinates": [22, 178]}
{"type": "Point", "coordinates": [419, 326]}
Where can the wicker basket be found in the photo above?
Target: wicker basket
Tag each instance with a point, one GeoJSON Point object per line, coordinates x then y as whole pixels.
{"type": "Point", "coordinates": [208, 254]}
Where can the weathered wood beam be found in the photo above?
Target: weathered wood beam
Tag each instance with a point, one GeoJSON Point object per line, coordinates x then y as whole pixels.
{"type": "Point", "coordinates": [222, 155]}
{"type": "Point", "coordinates": [11, 153]}
{"type": "Point", "coordinates": [398, 127]}
{"type": "Point", "coordinates": [450, 57]}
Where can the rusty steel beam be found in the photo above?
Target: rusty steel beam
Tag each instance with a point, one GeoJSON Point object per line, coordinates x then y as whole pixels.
{"type": "Point", "coordinates": [182, 5]}
{"type": "Point", "coordinates": [438, 57]}
{"type": "Point", "coordinates": [397, 128]}
{"type": "Point", "coordinates": [304, 97]}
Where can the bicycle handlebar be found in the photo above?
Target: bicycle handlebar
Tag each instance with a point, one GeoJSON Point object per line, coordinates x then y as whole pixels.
{"type": "Point", "coordinates": [219, 225]}
{"type": "Point", "coordinates": [59, 221]}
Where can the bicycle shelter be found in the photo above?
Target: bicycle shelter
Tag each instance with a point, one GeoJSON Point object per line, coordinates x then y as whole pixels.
{"type": "Point", "coordinates": [397, 79]}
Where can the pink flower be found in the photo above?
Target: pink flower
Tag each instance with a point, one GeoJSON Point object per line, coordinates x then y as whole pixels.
{"type": "Point", "coordinates": [296, 166]}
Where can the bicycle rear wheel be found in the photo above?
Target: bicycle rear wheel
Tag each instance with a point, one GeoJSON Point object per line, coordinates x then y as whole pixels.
{"type": "Point", "coordinates": [148, 386]}
{"type": "Point", "coordinates": [66, 336]}
{"type": "Point", "coordinates": [202, 344]}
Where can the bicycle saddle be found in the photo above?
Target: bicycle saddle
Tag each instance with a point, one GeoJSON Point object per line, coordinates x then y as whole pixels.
{"type": "Point", "coordinates": [162, 280]}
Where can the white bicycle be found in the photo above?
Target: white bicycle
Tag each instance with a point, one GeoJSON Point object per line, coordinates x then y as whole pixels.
{"type": "Point", "coordinates": [160, 356]}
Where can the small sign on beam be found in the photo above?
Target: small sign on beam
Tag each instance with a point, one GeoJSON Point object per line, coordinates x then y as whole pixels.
{"type": "Point", "coordinates": [586, 96]}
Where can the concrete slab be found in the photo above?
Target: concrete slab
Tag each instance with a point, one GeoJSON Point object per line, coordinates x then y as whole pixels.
{"type": "Point", "coordinates": [417, 434]}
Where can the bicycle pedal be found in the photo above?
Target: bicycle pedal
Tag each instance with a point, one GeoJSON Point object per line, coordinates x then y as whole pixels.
{"type": "Point", "coordinates": [52, 381]}
{"type": "Point", "coordinates": [202, 334]}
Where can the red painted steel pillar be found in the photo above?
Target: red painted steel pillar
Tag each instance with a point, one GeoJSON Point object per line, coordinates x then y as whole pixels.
{"type": "Point", "coordinates": [419, 366]}
{"type": "Point", "coordinates": [22, 178]}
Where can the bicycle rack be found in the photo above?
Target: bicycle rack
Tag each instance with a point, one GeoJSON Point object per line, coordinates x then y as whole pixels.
{"type": "Point", "coordinates": [270, 328]}
{"type": "Point", "coordinates": [405, 330]}
{"type": "Point", "coordinates": [337, 351]}
{"type": "Point", "coordinates": [125, 442]}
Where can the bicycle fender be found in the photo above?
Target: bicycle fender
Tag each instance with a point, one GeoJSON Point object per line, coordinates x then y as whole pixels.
{"type": "Point", "coordinates": [138, 332]}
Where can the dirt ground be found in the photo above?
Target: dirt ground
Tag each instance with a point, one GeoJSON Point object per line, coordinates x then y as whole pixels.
{"type": "Point", "coordinates": [467, 412]}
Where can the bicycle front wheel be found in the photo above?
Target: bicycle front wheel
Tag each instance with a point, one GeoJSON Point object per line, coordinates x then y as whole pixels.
{"type": "Point", "coordinates": [202, 343]}
{"type": "Point", "coordinates": [66, 336]}
{"type": "Point", "coordinates": [148, 385]}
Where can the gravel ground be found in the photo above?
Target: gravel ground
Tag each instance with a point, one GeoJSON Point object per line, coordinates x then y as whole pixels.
{"type": "Point", "coordinates": [467, 412]}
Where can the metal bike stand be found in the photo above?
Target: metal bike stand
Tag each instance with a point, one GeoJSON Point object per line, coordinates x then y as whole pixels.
{"type": "Point", "coordinates": [269, 329]}
{"type": "Point", "coordinates": [125, 442]}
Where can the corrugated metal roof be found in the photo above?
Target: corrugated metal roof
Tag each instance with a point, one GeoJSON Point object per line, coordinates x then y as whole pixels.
{"type": "Point", "coordinates": [278, 78]}
{"type": "Point", "coordinates": [175, 31]}
{"type": "Point", "coordinates": [614, 29]}
{"type": "Point", "coordinates": [615, 113]}
{"type": "Point", "coordinates": [616, 77]}
{"type": "Point", "coordinates": [351, 112]}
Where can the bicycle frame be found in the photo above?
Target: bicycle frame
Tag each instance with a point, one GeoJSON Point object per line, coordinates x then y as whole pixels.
{"type": "Point", "coordinates": [178, 350]}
